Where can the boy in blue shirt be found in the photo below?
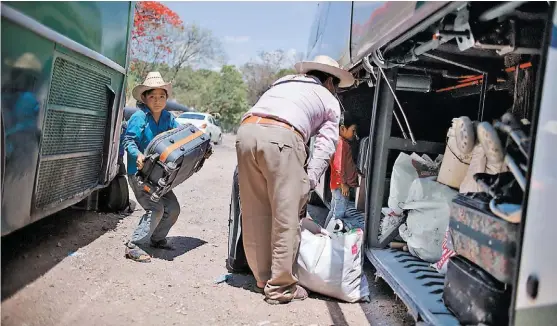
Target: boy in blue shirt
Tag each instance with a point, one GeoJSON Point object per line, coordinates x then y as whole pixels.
{"type": "Point", "coordinates": [142, 127]}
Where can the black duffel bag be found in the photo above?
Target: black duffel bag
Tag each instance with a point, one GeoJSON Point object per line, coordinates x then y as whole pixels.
{"type": "Point", "coordinates": [474, 296]}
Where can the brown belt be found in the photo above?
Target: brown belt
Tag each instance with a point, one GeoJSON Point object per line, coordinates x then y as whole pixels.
{"type": "Point", "coordinates": [269, 121]}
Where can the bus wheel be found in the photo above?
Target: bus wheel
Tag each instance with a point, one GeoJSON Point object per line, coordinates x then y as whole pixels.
{"type": "Point", "coordinates": [115, 197]}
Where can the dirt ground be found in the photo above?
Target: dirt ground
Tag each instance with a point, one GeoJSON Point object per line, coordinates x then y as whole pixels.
{"type": "Point", "coordinates": [69, 269]}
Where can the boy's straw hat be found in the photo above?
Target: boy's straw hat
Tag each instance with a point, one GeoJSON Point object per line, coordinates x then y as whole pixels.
{"type": "Point", "coordinates": [152, 81]}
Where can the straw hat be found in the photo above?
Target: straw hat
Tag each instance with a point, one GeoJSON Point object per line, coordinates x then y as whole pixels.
{"type": "Point", "coordinates": [27, 61]}
{"type": "Point", "coordinates": [328, 65]}
{"type": "Point", "coordinates": [152, 81]}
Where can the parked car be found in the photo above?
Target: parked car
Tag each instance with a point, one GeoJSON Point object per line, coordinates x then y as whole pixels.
{"type": "Point", "coordinates": [205, 122]}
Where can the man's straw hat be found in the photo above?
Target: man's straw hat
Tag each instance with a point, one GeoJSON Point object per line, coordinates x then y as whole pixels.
{"type": "Point", "coordinates": [328, 65]}
{"type": "Point", "coordinates": [152, 81]}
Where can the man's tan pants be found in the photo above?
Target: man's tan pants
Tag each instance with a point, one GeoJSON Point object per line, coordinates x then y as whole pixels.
{"type": "Point", "coordinates": [273, 189]}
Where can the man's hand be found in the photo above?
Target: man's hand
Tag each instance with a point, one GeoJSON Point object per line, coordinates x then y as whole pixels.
{"type": "Point", "coordinates": [312, 184]}
{"type": "Point", "coordinates": [140, 160]}
{"type": "Point", "coordinates": [345, 190]}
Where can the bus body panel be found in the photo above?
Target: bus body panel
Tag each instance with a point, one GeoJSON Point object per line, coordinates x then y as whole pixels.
{"type": "Point", "coordinates": [537, 259]}
{"type": "Point", "coordinates": [330, 32]}
{"type": "Point", "coordinates": [347, 31]}
{"type": "Point", "coordinates": [376, 23]}
{"type": "Point", "coordinates": [22, 117]}
{"type": "Point", "coordinates": [98, 25]}
{"type": "Point", "coordinates": [60, 110]}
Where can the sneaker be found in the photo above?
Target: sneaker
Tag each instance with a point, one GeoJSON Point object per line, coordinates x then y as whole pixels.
{"type": "Point", "coordinates": [493, 149]}
{"type": "Point", "coordinates": [137, 254]}
{"type": "Point", "coordinates": [464, 134]}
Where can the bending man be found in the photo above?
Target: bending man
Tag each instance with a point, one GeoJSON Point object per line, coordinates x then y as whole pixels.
{"type": "Point", "coordinates": [274, 186]}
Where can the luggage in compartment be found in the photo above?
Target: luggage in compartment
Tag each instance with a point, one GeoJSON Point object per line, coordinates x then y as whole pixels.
{"type": "Point", "coordinates": [457, 156]}
{"type": "Point", "coordinates": [236, 261]}
{"type": "Point", "coordinates": [171, 158]}
{"type": "Point", "coordinates": [482, 237]}
{"type": "Point", "coordinates": [361, 164]}
{"type": "Point", "coordinates": [474, 296]}
{"type": "Point", "coordinates": [362, 155]}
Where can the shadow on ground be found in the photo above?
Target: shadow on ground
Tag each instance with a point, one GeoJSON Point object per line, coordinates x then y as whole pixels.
{"type": "Point", "coordinates": [379, 311]}
{"type": "Point", "coordinates": [181, 246]}
{"type": "Point", "coordinates": [242, 281]}
{"type": "Point", "coordinates": [33, 250]}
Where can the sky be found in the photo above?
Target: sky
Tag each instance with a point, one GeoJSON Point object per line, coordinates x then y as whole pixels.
{"type": "Point", "coordinates": [245, 28]}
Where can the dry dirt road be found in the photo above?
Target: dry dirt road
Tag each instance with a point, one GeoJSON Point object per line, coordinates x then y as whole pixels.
{"type": "Point", "coordinates": [69, 269]}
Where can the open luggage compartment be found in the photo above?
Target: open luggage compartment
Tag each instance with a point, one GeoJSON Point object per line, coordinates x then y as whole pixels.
{"type": "Point", "coordinates": [478, 83]}
{"type": "Point", "coordinates": [445, 77]}
{"type": "Point", "coordinates": [413, 280]}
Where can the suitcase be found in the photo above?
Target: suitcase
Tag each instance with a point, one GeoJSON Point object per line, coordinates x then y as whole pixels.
{"type": "Point", "coordinates": [474, 296]}
{"type": "Point", "coordinates": [483, 238]}
{"type": "Point", "coordinates": [236, 261]}
{"type": "Point", "coordinates": [171, 158]}
{"type": "Point", "coordinates": [362, 155]}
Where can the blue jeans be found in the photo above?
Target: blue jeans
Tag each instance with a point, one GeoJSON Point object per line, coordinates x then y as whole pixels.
{"type": "Point", "coordinates": [339, 204]}
{"type": "Point", "coordinates": [159, 217]}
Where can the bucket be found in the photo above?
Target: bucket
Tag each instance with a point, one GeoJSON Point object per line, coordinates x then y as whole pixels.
{"type": "Point", "coordinates": [455, 163]}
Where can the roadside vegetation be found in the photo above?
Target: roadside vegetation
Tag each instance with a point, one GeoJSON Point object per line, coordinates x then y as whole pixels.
{"type": "Point", "coordinates": [186, 54]}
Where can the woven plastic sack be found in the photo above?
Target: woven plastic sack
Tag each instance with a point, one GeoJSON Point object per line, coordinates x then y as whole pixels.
{"type": "Point", "coordinates": [406, 169]}
{"type": "Point", "coordinates": [333, 265]}
{"type": "Point", "coordinates": [428, 206]}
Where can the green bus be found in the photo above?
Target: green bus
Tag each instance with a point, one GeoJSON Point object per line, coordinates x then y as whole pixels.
{"type": "Point", "coordinates": [63, 91]}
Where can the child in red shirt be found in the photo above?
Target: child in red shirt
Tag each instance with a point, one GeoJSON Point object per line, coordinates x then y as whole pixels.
{"type": "Point", "coordinates": [344, 173]}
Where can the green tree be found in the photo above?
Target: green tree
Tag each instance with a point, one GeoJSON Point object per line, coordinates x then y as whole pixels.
{"type": "Point", "coordinates": [262, 72]}
{"type": "Point", "coordinates": [229, 97]}
{"type": "Point", "coordinates": [194, 45]}
{"type": "Point", "coordinates": [194, 88]}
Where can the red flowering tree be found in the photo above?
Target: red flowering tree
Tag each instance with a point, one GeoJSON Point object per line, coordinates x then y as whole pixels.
{"type": "Point", "coordinates": [154, 25]}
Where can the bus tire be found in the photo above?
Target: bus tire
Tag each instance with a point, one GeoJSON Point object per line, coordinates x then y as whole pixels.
{"type": "Point", "coordinates": [115, 197]}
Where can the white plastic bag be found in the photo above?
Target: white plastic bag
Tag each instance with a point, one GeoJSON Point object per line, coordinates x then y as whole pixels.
{"type": "Point", "coordinates": [390, 221]}
{"type": "Point", "coordinates": [406, 169]}
{"type": "Point", "coordinates": [333, 265]}
{"type": "Point", "coordinates": [428, 217]}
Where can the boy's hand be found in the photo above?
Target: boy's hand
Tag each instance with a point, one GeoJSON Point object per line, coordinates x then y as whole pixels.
{"type": "Point", "coordinates": [140, 160]}
{"type": "Point", "coordinates": [208, 153]}
{"type": "Point", "coordinates": [345, 190]}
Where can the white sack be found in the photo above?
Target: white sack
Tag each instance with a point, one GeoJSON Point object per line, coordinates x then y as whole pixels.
{"type": "Point", "coordinates": [428, 217]}
{"type": "Point", "coordinates": [333, 265]}
{"type": "Point", "coordinates": [406, 169]}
